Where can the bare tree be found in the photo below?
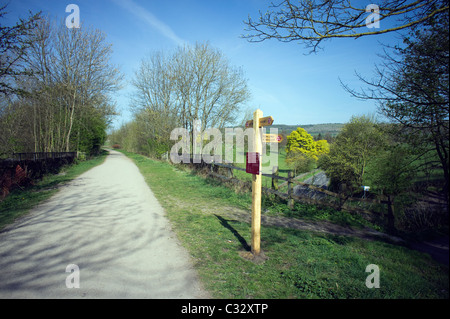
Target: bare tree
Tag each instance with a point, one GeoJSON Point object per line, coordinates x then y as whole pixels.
{"type": "Point", "coordinates": [154, 103]}
{"type": "Point", "coordinates": [196, 83]}
{"type": "Point", "coordinates": [311, 22]}
{"type": "Point", "coordinates": [65, 103]}
{"type": "Point", "coordinates": [82, 66]}
{"type": "Point", "coordinates": [73, 75]}
{"type": "Point", "coordinates": [210, 89]}
{"type": "Point", "coordinates": [14, 42]}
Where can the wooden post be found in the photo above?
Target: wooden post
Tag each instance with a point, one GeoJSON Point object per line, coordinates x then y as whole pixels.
{"type": "Point", "coordinates": [275, 180]}
{"type": "Point", "coordinates": [230, 172]}
{"type": "Point", "coordinates": [290, 190]}
{"type": "Point", "coordinates": [256, 188]}
{"type": "Point", "coordinates": [343, 195]}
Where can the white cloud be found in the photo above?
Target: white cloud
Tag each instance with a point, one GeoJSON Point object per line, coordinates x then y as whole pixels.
{"type": "Point", "coordinates": [150, 19]}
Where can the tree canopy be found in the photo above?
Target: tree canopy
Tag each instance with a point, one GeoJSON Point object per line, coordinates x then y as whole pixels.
{"type": "Point", "coordinates": [194, 84]}
{"type": "Point", "coordinates": [357, 143]}
{"type": "Point", "coordinates": [302, 151]}
{"type": "Point", "coordinates": [300, 141]}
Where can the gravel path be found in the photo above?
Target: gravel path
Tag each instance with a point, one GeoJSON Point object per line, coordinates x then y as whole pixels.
{"type": "Point", "coordinates": [109, 224]}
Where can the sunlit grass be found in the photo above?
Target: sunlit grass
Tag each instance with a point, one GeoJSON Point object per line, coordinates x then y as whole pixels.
{"type": "Point", "coordinates": [299, 264]}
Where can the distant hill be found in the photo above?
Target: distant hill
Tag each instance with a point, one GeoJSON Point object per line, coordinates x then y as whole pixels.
{"type": "Point", "coordinates": [314, 129]}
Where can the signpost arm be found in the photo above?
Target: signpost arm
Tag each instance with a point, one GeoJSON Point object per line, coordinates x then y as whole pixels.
{"type": "Point", "coordinates": [256, 188]}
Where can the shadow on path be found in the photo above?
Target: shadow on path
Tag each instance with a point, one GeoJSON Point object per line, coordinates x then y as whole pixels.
{"type": "Point", "coordinates": [108, 223]}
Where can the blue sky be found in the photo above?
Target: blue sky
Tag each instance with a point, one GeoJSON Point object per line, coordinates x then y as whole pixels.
{"type": "Point", "coordinates": [285, 82]}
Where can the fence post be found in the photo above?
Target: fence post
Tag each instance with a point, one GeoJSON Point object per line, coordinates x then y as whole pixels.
{"type": "Point", "coordinates": [342, 195]}
{"type": "Point", "coordinates": [290, 190]}
{"type": "Point", "coordinates": [230, 172]}
{"type": "Point", "coordinates": [274, 179]}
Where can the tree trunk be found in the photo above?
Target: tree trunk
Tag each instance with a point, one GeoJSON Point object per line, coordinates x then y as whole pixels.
{"type": "Point", "coordinates": [70, 122]}
{"type": "Point", "coordinates": [390, 215]}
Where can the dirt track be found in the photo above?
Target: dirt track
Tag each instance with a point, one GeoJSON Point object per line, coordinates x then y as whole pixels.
{"type": "Point", "coordinates": [109, 224]}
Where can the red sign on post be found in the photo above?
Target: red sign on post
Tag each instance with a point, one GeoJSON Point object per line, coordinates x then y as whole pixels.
{"type": "Point", "coordinates": [252, 166]}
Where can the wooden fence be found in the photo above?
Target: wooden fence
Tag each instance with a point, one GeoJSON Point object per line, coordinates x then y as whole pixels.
{"type": "Point", "coordinates": [329, 199]}
{"type": "Point", "coordinates": [20, 169]}
{"type": "Point", "coordinates": [42, 156]}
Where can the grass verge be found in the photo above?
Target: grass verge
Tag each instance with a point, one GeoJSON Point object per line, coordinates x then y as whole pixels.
{"type": "Point", "coordinates": [299, 264]}
{"type": "Point", "coordinates": [19, 202]}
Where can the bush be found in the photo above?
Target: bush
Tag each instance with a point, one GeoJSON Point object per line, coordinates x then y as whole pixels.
{"type": "Point", "coordinates": [419, 213]}
{"type": "Point", "coordinates": [300, 162]}
{"type": "Point", "coordinates": [81, 156]}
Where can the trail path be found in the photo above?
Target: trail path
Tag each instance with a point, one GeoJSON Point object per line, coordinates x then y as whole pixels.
{"type": "Point", "coordinates": [109, 224]}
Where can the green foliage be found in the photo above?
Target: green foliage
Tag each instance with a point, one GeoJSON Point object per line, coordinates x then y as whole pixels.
{"type": "Point", "coordinates": [391, 171]}
{"type": "Point", "coordinates": [300, 264]}
{"type": "Point", "coordinates": [300, 162]}
{"type": "Point", "coordinates": [90, 135]}
{"type": "Point", "coordinates": [358, 142]}
{"type": "Point", "coordinates": [299, 141]}
{"type": "Point", "coordinates": [322, 147]}
{"type": "Point", "coordinates": [302, 151]}
{"type": "Point", "coordinates": [158, 148]}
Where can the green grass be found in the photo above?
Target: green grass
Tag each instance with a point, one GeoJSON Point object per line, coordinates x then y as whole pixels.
{"type": "Point", "coordinates": [275, 207]}
{"type": "Point", "coordinates": [19, 202]}
{"type": "Point", "coordinates": [299, 264]}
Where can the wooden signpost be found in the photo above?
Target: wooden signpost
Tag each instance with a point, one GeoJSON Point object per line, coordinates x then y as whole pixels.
{"type": "Point", "coordinates": [256, 178]}
{"type": "Point", "coordinates": [263, 121]}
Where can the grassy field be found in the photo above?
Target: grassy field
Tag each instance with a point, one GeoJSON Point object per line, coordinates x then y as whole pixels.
{"type": "Point", "coordinates": [298, 264]}
{"type": "Point", "coordinates": [19, 202]}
